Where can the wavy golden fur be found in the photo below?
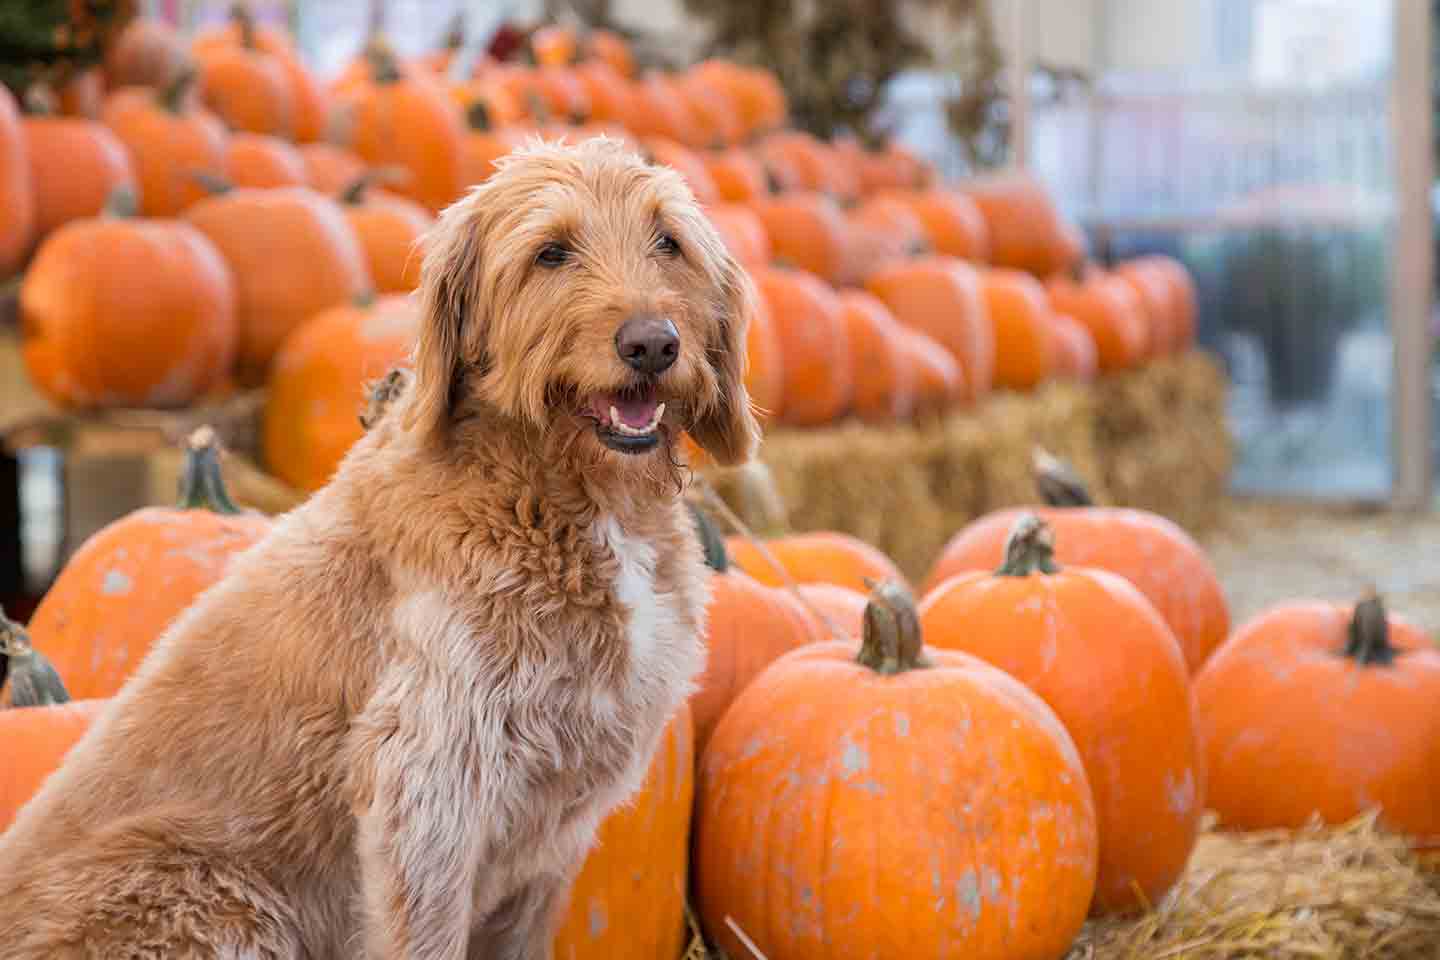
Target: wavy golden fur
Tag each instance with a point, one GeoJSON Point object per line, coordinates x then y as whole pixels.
{"type": "Point", "coordinates": [391, 730]}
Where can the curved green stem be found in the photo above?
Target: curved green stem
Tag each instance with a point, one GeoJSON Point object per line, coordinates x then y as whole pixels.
{"type": "Point", "coordinates": [717, 558]}
{"type": "Point", "coordinates": [202, 486]}
{"type": "Point", "coordinates": [1059, 484]}
{"type": "Point", "coordinates": [892, 642]}
{"type": "Point", "coordinates": [1029, 549]}
{"type": "Point", "coordinates": [1367, 639]}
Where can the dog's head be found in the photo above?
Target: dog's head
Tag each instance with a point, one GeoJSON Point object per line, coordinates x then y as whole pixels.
{"type": "Point", "coordinates": [580, 289]}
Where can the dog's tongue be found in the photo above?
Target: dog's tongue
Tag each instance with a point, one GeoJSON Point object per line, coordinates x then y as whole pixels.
{"type": "Point", "coordinates": [635, 411]}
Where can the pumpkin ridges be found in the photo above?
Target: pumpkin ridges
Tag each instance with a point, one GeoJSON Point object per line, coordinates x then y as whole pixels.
{"type": "Point", "coordinates": [814, 350]}
{"type": "Point", "coordinates": [1020, 316]}
{"type": "Point", "coordinates": [807, 230]}
{"type": "Point", "coordinates": [75, 165]}
{"type": "Point", "coordinates": [168, 138]}
{"type": "Point", "coordinates": [1108, 309]}
{"type": "Point", "coordinates": [885, 372]}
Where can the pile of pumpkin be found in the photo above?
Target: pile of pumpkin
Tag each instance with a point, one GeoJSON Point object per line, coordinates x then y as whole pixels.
{"type": "Point", "coordinates": [1033, 743]}
{"type": "Point", "coordinates": [221, 218]}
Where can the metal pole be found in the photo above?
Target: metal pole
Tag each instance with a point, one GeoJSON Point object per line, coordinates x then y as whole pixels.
{"type": "Point", "coordinates": [1412, 275]}
{"type": "Point", "coordinates": [1021, 57]}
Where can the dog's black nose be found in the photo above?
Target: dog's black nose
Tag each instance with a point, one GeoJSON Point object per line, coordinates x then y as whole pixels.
{"type": "Point", "coordinates": [649, 344]}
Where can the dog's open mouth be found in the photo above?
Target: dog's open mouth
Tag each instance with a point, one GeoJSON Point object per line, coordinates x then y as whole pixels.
{"type": "Point", "coordinates": [627, 420]}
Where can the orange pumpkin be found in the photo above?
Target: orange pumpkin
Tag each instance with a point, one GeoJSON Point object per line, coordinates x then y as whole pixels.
{"type": "Point", "coordinates": [939, 382]}
{"type": "Point", "coordinates": [408, 121]}
{"type": "Point", "coordinates": [500, 103]}
{"type": "Point", "coordinates": [659, 110]}
{"type": "Point", "coordinates": [890, 167]}
{"type": "Point", "coordinates": [952, 222]}
{"type": "Point", "coordinates": [1075, 353]}
{"type": "Point", "coordinates": [815, 557]}
{"type": "Point", "coordinates": [292, 254]}
{"type": "Point", "coordinates": [257, 160]}
{"type": "Point", "coordinates": [629, 898]}
{"type": "Point", "coordinates": [120, 591]}
{"type": "Point", "coordinates": [1155, 555]}
{"type": "Point", "coordinates": [607, 91]}
{"type": "Point", "coordinates": [17, 196]}
{"type": "Point", "coordinates": [813, 161]}
{"type": "Point", "coordinates": [1097, 652]}
{"type": "Point", "coordinates": [153, 292]}
{"type": "Point", "coordinates": [1024, 332]}
{"type": "Point", "coordinates": [756, 94]}
{"type": "Point", "coordinates": [75, 167]}
{"type": "Point", "coordinates": [904, 802]}
{"type": "Point", "coordinates": [809, 231]}
{"type": "Point", "coordinates": [944, 298]}
{"type": "Point", "coordinates": [147, 53]}
{"type": "Point", "coordinates": [169, 139]}
{"type": "Point", "coordinates": [389, 229]}
{"type": "Point", "coordinates": [485, 143]}
{"type": "Point", "coordinates": [743, 232]}
{"type": "Point", "coordinates": [318, 382]}
{"type": "Point", "coordinates": [1152, 291]}
{"type": "Point", "coordinates": [882, 231]}
{"type": "Point", "coordinates": [554, 45]}
{"type": "Point", "coordinates": [246, 86]}
{"type": "Point", "coordinates": [1108, 309]}
{"type": "Point", "coordinates": [714, 119]}
{"type": "Point", "coordinates": [739, 177]}
{"type": "Point", "coordinates": [685, 162]}
{"type": "Point", "coordinates": [1318, 708]}
{"type": "Point", "coordinates": [309, 104]}
{"type": "Point", "coordinates": [40, 739]}
{"type": "Point", "coordinates": [562, 92]}
{"type": "Point", "coordinates": [1026, 230]}
{"type": "Point", "coordinates": [328, 168]}
{"type": "Point", "coordinates": [884, 371]}
{"type": "Point", "coordinates": [1183, 299]}
{"type": "Point", "coordinates": [610, 48]}
{"type": "Point", "coordinates": [764, 367]}
{"type": "Point", "coordinates": [814, 349]}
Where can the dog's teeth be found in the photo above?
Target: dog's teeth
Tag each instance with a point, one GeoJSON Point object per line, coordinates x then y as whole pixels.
{"type": "Point", "coordinates": [615, 417]}
{"type": "Point", "coordinates": [659, 412]}
{"type": "Point", "coordinates": [620, 426]}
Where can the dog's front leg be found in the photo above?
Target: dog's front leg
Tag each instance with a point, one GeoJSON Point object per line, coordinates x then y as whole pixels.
{"type": "Point", "coordinates": [420, 819]}
{"type": "Point", "coordinates": [523, 926]}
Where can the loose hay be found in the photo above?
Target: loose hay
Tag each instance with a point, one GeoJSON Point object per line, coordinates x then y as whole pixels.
{"type": "Point", "coordinates": [1154, 438]}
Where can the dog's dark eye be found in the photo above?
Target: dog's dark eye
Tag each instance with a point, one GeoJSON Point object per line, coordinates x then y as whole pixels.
{"type": "Point", "coordinates": [668, 245]}
{"type": "Point", "coordinates": [553, 255]}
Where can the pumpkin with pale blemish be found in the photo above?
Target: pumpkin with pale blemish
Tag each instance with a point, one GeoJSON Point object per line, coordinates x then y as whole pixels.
{"type": "Point", "coordinates": [37, 740]}
{"type": "Point", "coordinates": [123, 587]}
{"type": "Point", "coordinates": [318, 381]}
{"type": "Point", "coordinates": [1161, 560]}
{"type": "Point", "coordinates": [629, 898]}
{"type": "Point", "coordinates": [905, 802]}
{"type": "Point", "coordinates": [1096, 651]}
{"type": "Point", "coordinates": [1322, 708]}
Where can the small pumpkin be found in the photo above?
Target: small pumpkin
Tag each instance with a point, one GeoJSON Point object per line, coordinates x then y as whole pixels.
{"type": "Point", "coordinates": [554, 45]}
{"type": "Point", "coordinates": [883, 231]}
{"type": "Point", "coordinates": [1099, 655]}
{"type": "Point", "coordinates": [1155, 555]}
{"type": "Point", "coordinates": [687, 163]}
{"type": "Point", "coordinates": [939, 381]}
{"type": "Point", "coordinates": [389, 229]}
{"type": "Point", "coordinates": [329, 169]}
{"type": "Point", "coordinates": [292, 253]}
{"type": "Point", "coordinates": [629, 897]}
{"type": "Point", "coordinates": [809, 231]}
{"type": "Point", "coordinates": [1319, 708]}
{"type": "Point", "coordinates": [1183, 299]}
{"type": "Point", "coordinates": [406, 120]}
{"type": "Point", "coordinates": [659, 110]}
{"type": "Point", "coordinates": [608, 92]}
{"type": "Point", "coordinates": [905, 801]}
{"type": "Point", "coordinates": [309, 103]}
{"type": "Point", "coordinates": [119, 592]}
{"type": "Point", "coordinates": [758, 97]}
{"type": "Point", "coordinates": [1025, 229]}
{"type": "Point", "coordinates": [1153, 292]}
{"type": "Point", "coordinates": [884, 387]}
{"type": "Point", "coordinates": [944, 298]}
{"type": "Point", "coordinates": [246, 86]}
{"type": "Point", "coordinates": [715, 122]}
{"type": "Point", "coordinates": [170, 138]}
{"type": "Point", "coordinates": [743, 232]}
{"type": "Point", "coordinates": [76, 165]}
{"type": "Point", "coordinates": [738, 176]}
{"type": "Point", "coordinates": [147, 53]}
{"type": "Point", "coordinates": [120, 311]}
{"type": "Point", "coordinates": [258, 160]}
{"type": "Point", "coordinates": [814, 349]}
{"type": "Point", "coordinates": [318, 381]}
{"type": "Point", "coordinates": [38, 739]}
{"type": "Point", "coordinates": [952, 222]}
{"type": "Point", "coordinates": [1075, 355]}
{"type": "Point", "coordinates": [813, 161]}
{"type": "Point", "coordinates": [610, 48]}
{"type": "Point", "coordinates": [17, 194]}
{"type": "Point", "coordinates": [1107, 307]}
{"type": "Point", "coordinates": [1024, 330]}
{"type": "Point", "coordinates": [817, 556]}
{"type": "Point", "coordinates": [485, 142]}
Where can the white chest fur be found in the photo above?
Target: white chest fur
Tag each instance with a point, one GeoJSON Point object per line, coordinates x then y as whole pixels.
{"type": "Point", "coordinates": [635, 589]}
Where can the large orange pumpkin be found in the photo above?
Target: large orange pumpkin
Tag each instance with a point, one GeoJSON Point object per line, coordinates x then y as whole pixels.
{"type": "Point", "coordinates": [147, 53]}
{"type": "Point", "coordinates": [76, 165]}
{"type": "Point", "coordinates": [808, 231]}
{"type": "Point", "coordinates": [17, 196]}
{"type": "Point", "coordinates": [743, 232]}
{"type": "Point", "coordinates": [884, 369]}
{"type": "Point", "coordinates": [292, 253]}
{"type": "Point", "coordinates": [258, 160]}
{"type": "Point", "coordinates": [1106, 306]}
{"type": "Point", "coordinates": [629, 898]}
{"type": "Point", "coordinates": [408, 121]}
{"type": "Point", "coordinates": [818, 556]}
{"type": "Point", "coordinates": [127, 312]}
{"type": "Point", "coordinates": [38, 740]}
{"type": "Point", "coordinates": [1155, 555]}
{"type": "Point", "coordinates": [952, 221]}
{"type": "Point", "coordinates": [1024, 332]}
{"type": "Point", "coordinates": [123, 587]}
{"type": "Point", "coordinates": [943, 297]}
{"type": "Point", "coordinates": [309, 104]}
{"type": "Point", "coordinates": [814, 349]}
{"type": "Point", "coordinates": [1317, 708]}
{"type": "Point", "coordinates": [389, 229]}
{"type": "Point", "coordinates": [905, 802]}
{"type": "Point", "coordinates": [1097, 652]}
{"type": "Point", "coordinates": [318, 381]}
{"type": "Point", "coordinates": [245, 85]}
{"type": "Point", "coordinates": [170, 139]}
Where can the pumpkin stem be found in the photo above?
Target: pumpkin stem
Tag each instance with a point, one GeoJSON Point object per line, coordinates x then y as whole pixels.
{"type": "Point", "coordinates": [122, 203]}
{"type": "Point", "coordinates": [1059, 484]}
{"type": "Point", "coordinates": [34, 681]}
{"type": "Point", "coordinates": [381, 395]}
{"type": "Point", "coordinates": [892, 642]}
{"type": "Point", "coordinates": [172, 98]}
{"type": "Point", "coordinates": [202, 486]}
{"type": "Point", "coordinates": [354, 194]}
{"type": "Point", "coordinates": [1368, 639]}
{"type": "Point", "coordinates": [242, 17]}
{"type": "Point", "coordinates": [712, 544]}
{"type": "Point", "coordinates": [1029, 549]}
{"type": "Point", "coordinates": [39, 100]}
{"type": "Point", "coordinates": [384, 65]}
{"type": "Point", "coordinates": [477, 116]}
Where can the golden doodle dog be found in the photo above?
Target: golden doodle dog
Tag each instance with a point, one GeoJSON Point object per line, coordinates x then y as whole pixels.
{"type": "Point", "coordinates": [392, 729]}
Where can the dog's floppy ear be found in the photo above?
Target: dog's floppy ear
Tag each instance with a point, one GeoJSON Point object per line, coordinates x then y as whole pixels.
{"type": "Point", "coordinates": [726, 429]}
{"type": "Point", "coordinates": [450, 303]}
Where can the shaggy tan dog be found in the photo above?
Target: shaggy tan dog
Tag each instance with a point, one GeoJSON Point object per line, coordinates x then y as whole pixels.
{"type": "Point", "coordinates": [392, 729]}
